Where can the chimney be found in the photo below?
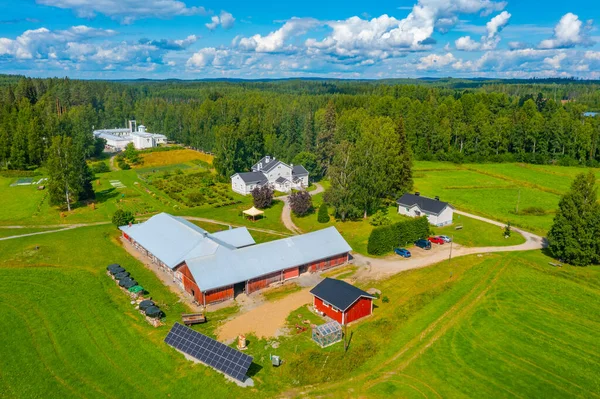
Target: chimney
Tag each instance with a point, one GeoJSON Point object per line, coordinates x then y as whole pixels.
{"type": "Point", "coordinates": [417, 193]}
{"type": "Point", "coordinates": [267, 159]}
{"type": "Point", "coordinates": [437, 198]}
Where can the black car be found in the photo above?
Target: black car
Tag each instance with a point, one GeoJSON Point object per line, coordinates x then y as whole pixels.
{"type": "Point", "coordinates": [424, 244]}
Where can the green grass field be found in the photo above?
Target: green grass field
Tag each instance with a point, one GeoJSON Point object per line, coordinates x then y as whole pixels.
{"type": "Point", "coordinates": [495, 190]}
{"type": "Point", "coordinates": [499, 325]}
{"type": "Point", "coordinates": [475, 233]}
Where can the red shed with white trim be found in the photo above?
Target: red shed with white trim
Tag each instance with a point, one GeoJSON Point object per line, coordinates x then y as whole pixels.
{"type": "Point", "coordinates": [341, 301]}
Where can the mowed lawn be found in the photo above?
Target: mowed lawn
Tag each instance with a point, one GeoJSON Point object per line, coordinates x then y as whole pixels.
{"type": "Point", "coordinates": [498, 325]}
{"type": "Point", "coordinates": [474, 233]}
{"type": "Point", "coordinates": [498, 190]}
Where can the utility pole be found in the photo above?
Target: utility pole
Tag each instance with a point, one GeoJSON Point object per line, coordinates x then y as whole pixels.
{"type": "Point", "coordinates": [451, 242]}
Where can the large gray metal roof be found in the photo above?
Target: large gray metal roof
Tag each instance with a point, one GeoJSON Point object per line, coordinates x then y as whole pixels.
{"type": "Point", "coordinates": [224, 268]}
{"type": "Point", "coordinates": [173, 239]}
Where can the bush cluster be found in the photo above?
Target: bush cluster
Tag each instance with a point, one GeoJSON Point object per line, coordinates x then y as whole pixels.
{"type": "Point", "coordinates": [383, 239]}
{"type": "Point", "coordinates": [100, 167]}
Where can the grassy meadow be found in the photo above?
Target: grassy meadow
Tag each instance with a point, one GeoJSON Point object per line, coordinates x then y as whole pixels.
{"type": "Point", "coordinates": [474, 233]}
{"type": "Point", "coordinates": [498, 325]}
{"type": "Point", "coordinates": [496, 190]}
{"type": "Point", "coordinates": [172, 157]}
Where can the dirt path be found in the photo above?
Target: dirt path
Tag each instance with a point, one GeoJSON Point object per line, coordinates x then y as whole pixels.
{"type": "Point", "coordinates": [286, 213]}
{"type": "Point", "coordinates": [265, 320]}
{"type": "Point", "coordinates": [199, 219]}
{"type": "Point", "coordinates": [111, 163]}
{"type": "Point", "coordinates": [57, 228]}
{"type": "Point", "coordinates": [378, 268]}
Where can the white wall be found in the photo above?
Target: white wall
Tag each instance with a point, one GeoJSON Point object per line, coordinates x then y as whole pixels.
{"type": "Point", "coordinates": [442, 219]}
{"type": "Point", "coordinates": [279, 170]}
{"type": "Point", "coordinates": [238, 185]}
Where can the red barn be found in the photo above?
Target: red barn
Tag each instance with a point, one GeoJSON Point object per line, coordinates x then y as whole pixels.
{"type": "Point", "coordinates": [341, 301]}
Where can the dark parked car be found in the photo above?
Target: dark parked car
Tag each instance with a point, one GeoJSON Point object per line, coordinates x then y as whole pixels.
{"type": "Point", "coordinates": [436, 240]}
{"type": "Point", "coordinates": [405, 253]}
{"type": "Point", "coordinates": [424, 244]}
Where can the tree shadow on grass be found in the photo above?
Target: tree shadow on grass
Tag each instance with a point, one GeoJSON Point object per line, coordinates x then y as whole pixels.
{"type": "Point", "coordinates": [105, 195]}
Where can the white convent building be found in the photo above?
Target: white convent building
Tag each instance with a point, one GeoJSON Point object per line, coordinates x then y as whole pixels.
{"type": "Point", "coordinates": [281, 176]}
{"type": "Point", "coordinates": [117, 139]}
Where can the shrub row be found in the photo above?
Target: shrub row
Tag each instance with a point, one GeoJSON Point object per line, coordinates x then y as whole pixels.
{"type": "Point", "coordinates": [384, 239]}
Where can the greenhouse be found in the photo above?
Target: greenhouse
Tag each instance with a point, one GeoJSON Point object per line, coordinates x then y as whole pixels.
{"type": "Point", "coordinates": [327, 334]}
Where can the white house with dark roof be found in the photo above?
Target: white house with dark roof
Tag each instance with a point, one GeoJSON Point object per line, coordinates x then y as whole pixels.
{"type": "Point", "coordinates": [281, 176]}
{"type": "Point", "coordinates": [439, 213]}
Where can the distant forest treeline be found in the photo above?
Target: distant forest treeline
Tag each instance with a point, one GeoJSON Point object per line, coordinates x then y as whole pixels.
{"type": "Point", "coordinates": [444, 119]}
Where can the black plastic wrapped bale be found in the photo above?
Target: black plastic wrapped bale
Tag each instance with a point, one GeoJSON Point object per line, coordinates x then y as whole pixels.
{"type": "Point", "coordinates": [122, 275]}
{"type": "Point", "coordinates": [116, 270]}
{"type": "Point", "coordinates": [145, 304]}
{"type": "Point", "coordinates": [153, 312]}
{"type": "Point", "coordinates": [127, 282]}
{"type": "Point", "coordinates": [112, 266]}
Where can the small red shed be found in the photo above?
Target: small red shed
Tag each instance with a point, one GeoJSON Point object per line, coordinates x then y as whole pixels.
{"type": "Point", "coordinates": [341, 301]}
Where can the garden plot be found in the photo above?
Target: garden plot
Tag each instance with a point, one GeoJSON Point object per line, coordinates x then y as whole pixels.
{"type": "Point", "coordinates": [193, 189]}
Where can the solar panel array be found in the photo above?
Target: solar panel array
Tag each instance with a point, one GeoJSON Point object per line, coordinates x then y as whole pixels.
{"type": "Point", "coordinates": [209, 351]}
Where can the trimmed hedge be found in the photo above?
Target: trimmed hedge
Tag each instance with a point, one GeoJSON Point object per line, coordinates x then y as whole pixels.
{"type": "Point", "coordinates": [323, 215]}
{"type": "Point", "coordinates": [384, 239]}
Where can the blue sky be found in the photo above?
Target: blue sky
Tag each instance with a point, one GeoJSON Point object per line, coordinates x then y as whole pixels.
{"type": "Point", "coordinates": [193, 39]}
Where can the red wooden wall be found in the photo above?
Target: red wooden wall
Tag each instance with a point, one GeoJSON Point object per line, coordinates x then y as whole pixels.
{"type": "Point", "coordinates": [359, 309]}
{"type": "Point", "coordinates": [335, 315]}
{"type": "Point", "coordinates": [218, 295]}
{"type": "Point", "coordinates": [291, 273]}
{"type": "Point", "coordinates": [189, 283]}
{"type": "Point", "coordinates": [324, 264]}
{"type": "Point", "coordinates": [262, 282]}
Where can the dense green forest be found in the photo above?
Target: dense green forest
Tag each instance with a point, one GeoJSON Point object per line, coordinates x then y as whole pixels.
{"type": "Point", "coordinates": [444, 119]}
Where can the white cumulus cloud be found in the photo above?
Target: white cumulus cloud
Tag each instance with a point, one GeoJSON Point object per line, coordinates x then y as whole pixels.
{"type": "Point", "coordinates": [488, 42]}
{"type": "Point", "coordinates": [569, 32]}
{"type": "Point", "coordinates": [385, 36]}
{"type": "Point", "coordinates": [225, 19]}
{"type": "Point", "coordinates": [554, 62]}
{"type": "Point", "coordinates": [436, 61]}
{"type": "Point", "coordinates": [126, 11]}
{"type": "Point", "coordinates": [208, 56]}
{"type": "Point", "coordinates": [276, 40]}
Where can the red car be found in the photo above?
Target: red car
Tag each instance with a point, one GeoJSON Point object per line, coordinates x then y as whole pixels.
{"type": "Point", "coordinates": [436, 240]}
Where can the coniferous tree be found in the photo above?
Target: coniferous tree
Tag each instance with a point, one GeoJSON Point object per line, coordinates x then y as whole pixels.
{"type": "Point", "coordinates": [325, 144]}
{"type": "Point", "coordinates": [574, 234]}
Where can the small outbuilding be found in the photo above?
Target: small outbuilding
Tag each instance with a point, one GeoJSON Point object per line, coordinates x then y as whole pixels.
{"type": "Point", "coordinates": [341, 301]}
